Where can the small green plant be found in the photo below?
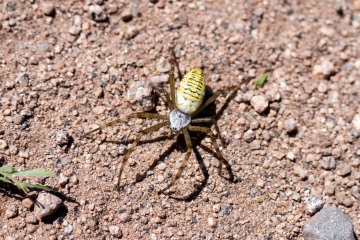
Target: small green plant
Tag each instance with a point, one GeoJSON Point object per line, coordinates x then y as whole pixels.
{"type": "Point", "coordinates": [9, 174]}
{"type": "Point", "coordinates": [261, 81]}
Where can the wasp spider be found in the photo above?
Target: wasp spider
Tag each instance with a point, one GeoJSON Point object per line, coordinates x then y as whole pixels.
{"type": "Point", "coordinates": [184, 104]}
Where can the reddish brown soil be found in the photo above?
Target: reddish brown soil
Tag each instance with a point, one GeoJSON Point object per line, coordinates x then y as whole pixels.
{"type": "Point", "coordinates": [80, 65]}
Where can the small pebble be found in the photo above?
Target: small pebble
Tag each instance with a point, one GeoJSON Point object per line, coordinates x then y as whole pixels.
{"type": "Point", "coordinates": [348, 202]}
{"type": "Point", "coordinates": [73, 180]}
{"type": "Point", "coordinates": [115, 231]}
{"type": "Point", "coordinates": [28, 203]}
{"type": "Point", "coordinates": [296, 197]}
{"type": "Point", "coordinates": [249, 136]}
{"type": "Point", "coordinates": [324, 69]}
{"type": "Point", "coordinates": [68, 229]}
{"type": "Point", "coordinates": [124, 217]}
{"type": "Point", "coordinates": [47, 8]}
{"type": "Point", "coordinates": [343, 169]}
{"type": "Point", "coordinates": [3, 144]}
{"type": "Point", "coordinates": [163, 65]}
{"type": "Point", "coordinates": [300, 172]}
{"type": "Point", "coordinates": [290, 156]}
{"type": "Point", "coordinates": [355, 191]}
{"type": "Point", "coordinates": [93, 224]}
{"type": "Point", "coordinates": [97, 14]}
{"type": "Point", "coordinates": [162, 166]}
{"type": "Point", "coordinates": [211, 222]}
{"type": "Point", "coordinates": [47, 204]}
{"type": "Point", "coordinates": [141, 97]}
{"type": "Point", "coordinates": [23, 80]}
{"type": "Point", "coordinates": [356, 122]}
{"type": "Point", "coordinates": [160, 213]}
{"type": "Point", "coordinates": [31, 228]}
{"type": "Point", "coordinates": [104, 68]}
{"type": "Point", "coordinates": [290, 125]}
{"type": "Point", "coordinates": [62, 137]}
{"type": "Point", "coordinates": [24, 154]}
{"type": "Point", "coordinates": [99, 92]}
{"type": "Point", "coordinates": [126, 15]}
{"type": "Point", "coordinates": [159, 79]}
{"type": "Point", "coordinates": [228, 209]}
{"type": "Point", "coordinates": [144, 220]}
{"type": "Point", "coordinates": [11, 211]}
{"type": "Point", "coordinates": [328, 163]}
{"type": "Point", "coordinates": [255, 145]}
{"type": "Point", "coordinates": [322, 87]}
{"type": "Point", "coordinates": [314, 204]}
{"type": "Point", "coordinates": [99, 109]}
{"type": "Point", "coordinates": [329, 188]}
{"type": "Point", "coordinates": [74, 30]}
{"type": "Point", "coordinates": [259, 103]}
{"type": "Point", "coordinates": [10, 84]}
{"type": "Point", "coordinates": [216, 208]}
{"type": "Point", "coordinates": [30, 218]}
{"type": "Point", "coordinates": [63, 180]}
{"type": "Point", "coordinates": [13, 150]}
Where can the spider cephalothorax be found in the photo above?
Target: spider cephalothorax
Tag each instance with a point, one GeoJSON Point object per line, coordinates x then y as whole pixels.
{"type": "Point", "coordinates": [184, 104]}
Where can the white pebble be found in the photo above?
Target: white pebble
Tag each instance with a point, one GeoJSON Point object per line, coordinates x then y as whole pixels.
{"type": "Point", "coordinates": [260, 103]}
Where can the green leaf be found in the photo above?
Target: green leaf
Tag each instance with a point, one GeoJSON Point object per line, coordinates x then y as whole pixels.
{"type": "Point", "coordinates": [38, 172]}
{"type": "Point", "coordinates": [261, 81]}
{"type": "Point", "coordinates": [8, 170]}
{"type": "Point", "coordinates": [5, 180]}
{"type": "Point", "coordinates": [20, 185]}
{"type": "Point", "coordinates": [38, 186]}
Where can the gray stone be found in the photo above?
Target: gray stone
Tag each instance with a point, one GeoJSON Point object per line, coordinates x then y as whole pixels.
{"type": "Point", "coordinates": [329, 223]}
{"type": "Point", "coordinates": [46, 205]}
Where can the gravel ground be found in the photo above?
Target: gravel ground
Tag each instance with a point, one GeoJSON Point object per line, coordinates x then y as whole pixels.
{"type": "Point", "coordinates": [67, 65]}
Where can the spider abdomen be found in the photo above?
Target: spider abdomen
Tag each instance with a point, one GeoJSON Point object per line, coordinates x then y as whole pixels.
{"type": "Point", "coordinates": [191, 91]}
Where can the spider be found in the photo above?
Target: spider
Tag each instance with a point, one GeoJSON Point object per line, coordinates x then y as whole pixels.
{"type": "Point", "coordinates": [184, 104]}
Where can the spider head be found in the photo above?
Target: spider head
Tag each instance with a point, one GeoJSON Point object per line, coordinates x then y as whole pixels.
{"type": "Point", "coordinates": [179, 120]}
{"type": "Point", "coordinates": [175, 128]}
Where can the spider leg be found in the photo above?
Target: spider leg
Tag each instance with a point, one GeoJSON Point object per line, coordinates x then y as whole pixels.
{"type": "Point", "coordinates": [175, 62]}
{"type": "Point", "coordinates": [216, 146]}
{"type": "Point", "coordinates": [213, 98]}
{"type": "Point", "coordinates": [213, 121]}
{"type": "Point", "coordinates": [184, 163]}
{"type": "Point", "coordinates": [172, 80]}
{"type": "Point", "coordinates": [167, 97]}
{"type": "Point", "coordinates": [143, 115]}
{"type": "Point", "coordinates": [135, 143]}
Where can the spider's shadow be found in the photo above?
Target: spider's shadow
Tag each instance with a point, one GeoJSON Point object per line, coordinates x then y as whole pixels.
{"type": "Point", "coordinates": [196, 138]}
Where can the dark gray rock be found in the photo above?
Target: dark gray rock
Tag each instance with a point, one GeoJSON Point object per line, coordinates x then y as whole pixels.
{"type": "Point", "coordinates": [329, 224]}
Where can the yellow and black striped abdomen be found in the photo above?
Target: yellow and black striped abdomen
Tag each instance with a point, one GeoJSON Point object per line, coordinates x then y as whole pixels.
{"type": "Point", "coordinates": [191, 91]}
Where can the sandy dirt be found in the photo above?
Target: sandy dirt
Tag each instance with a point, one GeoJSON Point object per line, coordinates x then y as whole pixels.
{"type": "Point", "coordinates": [66, 66]}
